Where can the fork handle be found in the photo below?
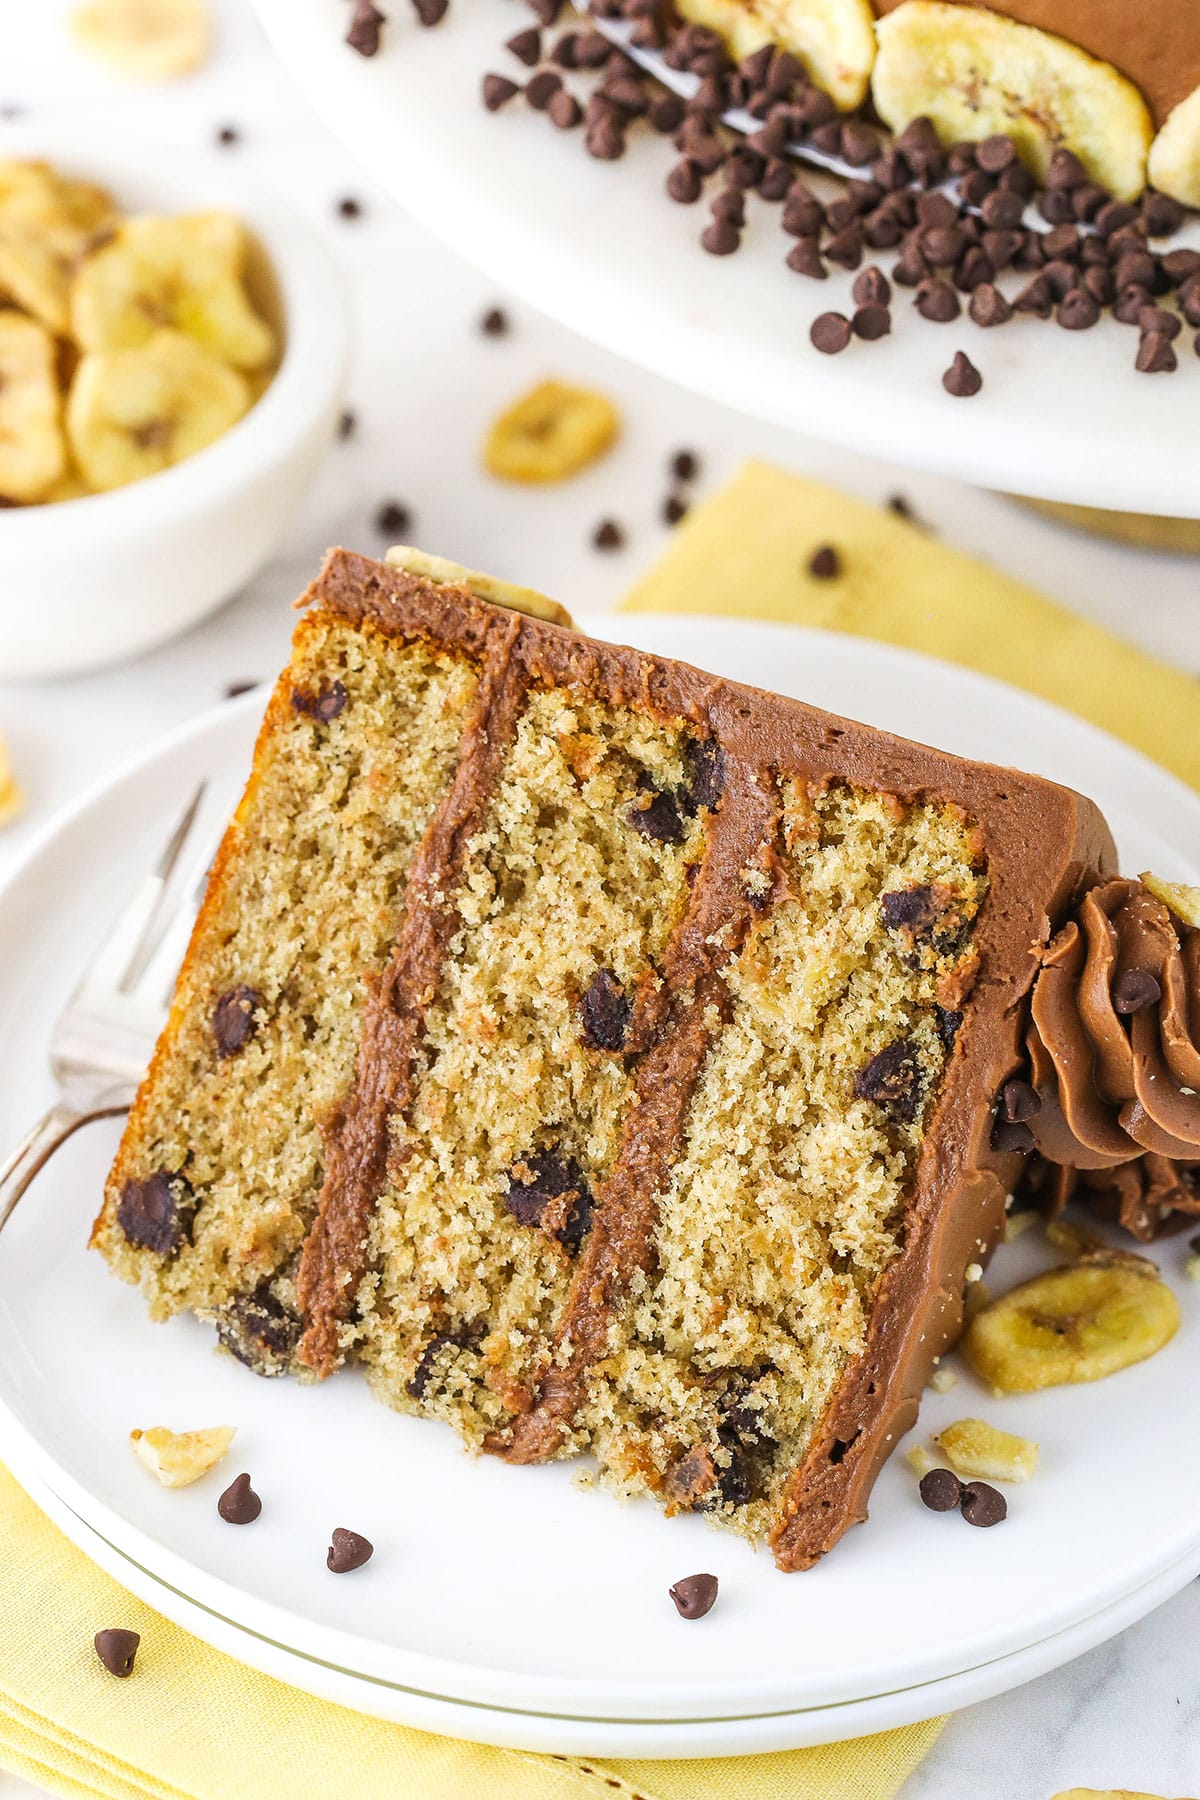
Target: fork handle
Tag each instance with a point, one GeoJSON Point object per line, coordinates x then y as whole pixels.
{"type": "Point", "coordinates": [38, 1146]}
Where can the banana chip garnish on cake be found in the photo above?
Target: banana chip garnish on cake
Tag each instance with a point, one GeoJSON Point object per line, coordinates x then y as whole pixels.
{"type": "Point", "coordinates": [1178, 898]}
{"type": "Point", "coordinates": [177, 1458]}
{"type": "Point", "coordinates": [134, 412]}
{"type": "Point", "coordinates": [185, 273]}
{"type": "Point", "coordinates": [975, 73]}
{"type": "Point", "coordinates": [834, 39]}
{"type": "Point", "coordinates": [551, 432]}
{"type": "Point", "coordinates": [32, 451]}
{"type": "Point", "coordinates": [152, 40]}
{"type": "Point", "coordinates": [1071, 1325]}
{"type": "Point", "coordinates": [1174, 164]}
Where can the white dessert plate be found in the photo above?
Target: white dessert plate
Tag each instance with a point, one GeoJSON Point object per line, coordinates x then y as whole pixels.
{"type": "Point", "coordinates": [515, 1588]}
{"type": "Point", "coordinates": [1062, 415]}
{"type": "Point", "coordinates": [606, 1737]}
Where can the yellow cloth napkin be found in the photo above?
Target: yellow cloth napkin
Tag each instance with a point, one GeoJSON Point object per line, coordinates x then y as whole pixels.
{"type": "Point", "coordinates": [747, 552]}
{"type": "Point", "coordinates": [193, 1724]}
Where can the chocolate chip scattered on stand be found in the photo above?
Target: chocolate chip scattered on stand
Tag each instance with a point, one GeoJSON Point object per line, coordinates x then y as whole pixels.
{"type": "Point", "coordinates": [430, 12]}
{"type": "Point", "coordinates": [983, 1504]}
{"type": "Point", "coordinates": [941, 1490]}
{"type": "Point", "coordinates": [228, 135]}
{"type": "Point", "coordinates": [526, 46]}
{"type": "Point", "coordinates": [962, 378]}
{"type": "Point", "coordinates": [495, 322]}
{"type": "Point", "coordinates": [348, 1550]}
{"type": "Point", "coordinates": [349, 208]}
{"type": "Point", "coordinates": [393, 520]}
{"type": "Point", "coordinates": [674, 509]}
{"type": "Point", "coordinates": [694, 1595]}
{"type": "Point", "coordinates": [497, 91]}
{"type": "Point", "coordinates": [239, 1504]}
{"type": "Point", "coordinates": [117, 1650]}
{"type": "Point", "coordinates": [825, 563]}
{"type": "Point", "coordinates": [365, 28]}
{"type": "Point", "coordinates": [685, 465]}
{"type": "Point", "coordinates": [608, 535]}
{"type": "Point", "coordinates": [347, 425]}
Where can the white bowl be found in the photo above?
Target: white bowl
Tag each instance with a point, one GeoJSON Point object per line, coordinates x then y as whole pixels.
{"type": "Point", "coordinates": [85, 582]}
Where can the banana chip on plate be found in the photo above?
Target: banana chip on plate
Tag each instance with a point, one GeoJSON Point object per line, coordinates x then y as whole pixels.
{"type": "Point", "coordinates": [133, 412]}
{"type": "Point", "coordinates": [152, 40]}
{"type": "Point", "coordinates": [1074, 1324]}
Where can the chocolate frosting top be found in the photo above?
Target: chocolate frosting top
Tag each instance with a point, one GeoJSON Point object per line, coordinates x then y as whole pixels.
{"type": "Point", "coordinates": [1114, 1036]}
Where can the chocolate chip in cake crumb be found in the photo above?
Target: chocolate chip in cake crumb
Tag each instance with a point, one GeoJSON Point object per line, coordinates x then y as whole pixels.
{"type": "Point", "coordinates": [323, 706]}
{"type": "Point", "coordinates": [365, 27]}
{"type": "Point", "coordinates": [548, 1190]}
{"type": "Point", "coordinates": [829, 333]}
{"type": "Point", "coordinates": [656, 815]}
{"type": "Point", "coordinates": [1019, 1102]}
{"type": "Point", "coordinates": [156, 1214]}
{"type": "Point", "coordinates": [259, 1331]}
{"type": "Point", "coordinates": [983, 1504]}
{"type": "Point", "coordinates": [117, 1650]}
{"type": "Point", "coordinates": [706, 771]}
{"type": "Point", "coordinates": [962, 379]}
{"type": "Point", "coordinates": [941, 1490]}
{"type": "Point", "coordinates": [497, 91]}
{"type": "Point", "coordinates": [949, 1023]}
{"type": "Point", "coordinates": [694, 1595]}
{"type": "Point", "coordinates": [1135, 989]}
{"type": "Point", "coordinates": [348, 1550]}
{"type": "Point", "coordinates": [239, 1504]}
{"type": "Point", "coordinates": [605, 1010]}
{"type": "Point", "coordinates": [892, 1079]}
{"type": "Point", "coordinates": [234, 1020]}
{"type": "Point", "coordinates": [825, 564]}
{"type": "Point", "coordinates": [608, 536]}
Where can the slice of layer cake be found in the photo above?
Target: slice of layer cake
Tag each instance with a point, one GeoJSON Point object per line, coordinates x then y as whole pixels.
{"type": "Point", "coordinates": [603, 1054]}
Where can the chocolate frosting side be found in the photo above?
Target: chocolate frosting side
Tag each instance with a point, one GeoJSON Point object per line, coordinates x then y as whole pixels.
{"type": "Point", "coordinates": [1155, 43]}
{"type": "Point", "coordinates": [1041, 843]}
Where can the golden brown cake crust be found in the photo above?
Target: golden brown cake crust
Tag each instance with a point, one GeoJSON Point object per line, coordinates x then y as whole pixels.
{"type": "Point", "coordinates": [1041, 842]}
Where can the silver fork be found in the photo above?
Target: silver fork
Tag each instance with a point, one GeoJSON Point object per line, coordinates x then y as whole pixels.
{"type": "Point", "coordinates": [104, 1038]}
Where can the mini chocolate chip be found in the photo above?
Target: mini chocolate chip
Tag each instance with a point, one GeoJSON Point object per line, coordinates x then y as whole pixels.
{"type": "Point", "coordinates": [685, 465]}
{"type": "Point", "coordinates": [1002, 210]}
{"type": "Point", "coordinates": [892, 1079]}
{"type": "Point", "coordinates": [860, 143]}
{"type": "Point", "coordinates": [941, 1490]}
{"type": "Point", "coordinates": [1131, 303]}
{"type": "Point", "coordinates": [825, 563]}
{"type": "Point", "coordinates": [233, 1020]}
{"type": "Point", "coordinates": [983, 1504]}
{"type": "Point", "coordinates": [608, 535]}
{"type": "Point", "coordinates": [937, 300]}
{"type": "Point", "coordinates": [234, 688]}
{"type": "Point", "coordinates": [845, 248]}
{"type": "Point", "coordinates": [1160, 214]}
{"type": "Point", "coordinates": [1011, 1135]}
{"type": "Point", "coordinates": [564, 110]}
{"type": "Point", "coordinates": [656, 816]}
{"type": "Point", "coordinates": [1036, 299]}
{"type": "Point", "coordinates": [829, 333]}
{"type": "Point", "coordinates": [674, 508]}
{"type": "Point", "coordinates": [666, 113]}
{"type": "Point", "coordinates": [116, 1650]}
{"type": "Point", "coordinates": [871, 323]}
{"type": "Point", "coordinates": [347, 425]}
{"type": "Point", "coordinates": [498, 90]}
{"type": "Point", "coordinates": [430, 12]}
{"type": "Point", "coordinates": [349, 208]}
{"type": "Point", "coordinates": [942, 244]}
{"type": "Point", "coordinates": [347, 1551]}
{"type": "Point", "coordinates": [526, 46]}
{"type": "Point", "coordinates": [392, 520]}
{"type": "Point", "coordinates": [156, 1214]}
{"type": "Point", "coordinates": [1155, 355]}
{"type": "Point", "coordinates": [1180, 265]}
{"type": "Point", "coordinates": [605, 1010]}
{"type": "Point", "coordinates": [1157, 318]}
{"type": "Point", "coordinates": [494, 322]}
{"type": "Point", "coordinates": [721, 238]}
{"type": "Point", "coordinates": [239, 1504]}
{"type": "Point", "coordinates": [685, 183]}
{"type": "Point", "coordinates": [363, 34]}
{"type": "Point", "coordinates": [962, 379]}
{"type": "Point", "coordinates": [1135, 989]}
{"type": "Point", "coordinates": [1019, 1102]}
{"type": "Point", "coordinates": [804, 258]}
{"type": "Point", "coordinates": [995, 153]}
{"type": "Point", "coordinates": [988, 306]}
{"type": "Point", "coordinates": [1077, 311]}
{"type": "Point", "coordinates": [228, 135]}
{"type": "Point", "coordinates": [541, 88]}
{"type": "Point", "coordinates": [1065, 170]}
{"type": "Point", "coordinates": [694, 1595]}
{"type": "Point", "coordinates": [324, 706]}
{"type": "Point", "coordinates": [872, 288]}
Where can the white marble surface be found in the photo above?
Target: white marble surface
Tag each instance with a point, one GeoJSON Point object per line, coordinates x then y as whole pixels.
{"type": "Point", "coordinates": [424, 387]}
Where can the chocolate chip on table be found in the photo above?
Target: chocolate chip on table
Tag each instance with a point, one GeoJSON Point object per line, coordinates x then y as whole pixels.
{"type": "Point", "coordinates": [239, 1504]}
{"type": "Point", "coordinates": [348, 1550]}
{"type": "Point", "coordinates": [1155, 356]}
{"type": "Point", "coordinates": [564, 110]}
{"type": "Point", "coordinates": [392, 519]}
{"type": "Point", "coordinates": [349, 208]}
{"type": "Point", "coordinates": [364, 32]}
{"type": "Point", "coordinates": [871, 322]}
{"type": "Point", "coordinates": [829, 333]}
{"type": "Point", "coordinates": [1035, 298]}
{"type": "Point", "coordinates": [117, 1650]}
{"type": "Point", "coordinates": [228, 135]}
{"type": "Point", "coordinates": [1019, 1101]}
{"type": "Point", "coordinates": [430, 12]}
{"type": "Point", "coordinates": [1077, 310]}
{"type": "Point", "coordinates": [1135, 989]}
{"type": "Point", "coordinates": [694, 1595]}
{"type": "Point", "coordinates": [233, 1021]}
{"type": "Point", "coordinates": [498, 90]}
{"type": "Point", "coordinates": [526, 46]}
{"type": "Point", "coordinates": [962, 378]}
{"type": "Point", "coordinates": [721, 238]}
{"type": "Point", "coordinates": [941, 1490]}
{"type": "Point", "coordinates": [608, 535]}
{"type": "Point", "coordinates": [541, 88]}
{"type": "Point", "coordinates": [605, 1011]}
{"type": "Point", "coordinates": [988, 306]}
{"type": "Point", "coordinates": [825, 563]}
{"type": "Point", "coordinates": [936, 300]}
{"type": "Point", "coordinates": [685, 465]}
{"type": "Point", "coordinates": [892, 1079]}
{"type": "Point", "coordinates": [347, 425]}
{"type": "Point", "coordinates": [156, 1214]}
{"type": "Point", "coordinates": [685, 183]}
{"type": "Point", "coordinates": [804, 258]}
{"type": "Point", "coordinates": [656, 815]}
{"type": "Point", "coordinates": [323, 706]}
{"type": "Point", "coordinates": [872, 288]}
{"type": "Point", "coordinates": [1157, 318]}
{"type": "Point", "coordinates": [983, 1504]}
{"type": "Point", "coordinates": [234, 688]}
{"type": "Point", "coordinates": [674, 508]}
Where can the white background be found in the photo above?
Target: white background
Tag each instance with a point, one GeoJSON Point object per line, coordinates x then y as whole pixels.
{"type": "Point", "coordinates": [424, 387]}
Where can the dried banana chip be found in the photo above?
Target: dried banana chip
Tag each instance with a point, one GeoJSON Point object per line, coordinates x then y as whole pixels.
{"type": "Point", "coordinates": [1086, 1246]}
{"type": "Point", "coordinates": [1174, 164]}
{"type": "Point", "coordinates": [182, 273]}
{"type": "Point", "coordinates": [177, 1458]}
{"type": "Point", "coordinates": [47, 223]}
{"type": "Point", "coordinates": [974, 1448]}
{"type": "Point", "coordinates": [919, 1460]}
{"type": "Point", "coordinates": [1183, 901]}
{"type": "Point", "coordinates": [834, 39]}
{"type": "Point", "coordinates": [32, 452]}
{"type": "Point", "coordinates": [484, 587]}
{"type": "Point", "coordinates": [151, 40]}
{"type": "Point", "coordinates": [1068, 1325]}
{"type": "Point", "coordinates": [131, 413]}
{"type": "Point", "coordinates": [12, 800]}
{"type": "Point", "coordinates": [974, 73]}
{"type": "Point", "coordinates": [553, 431]}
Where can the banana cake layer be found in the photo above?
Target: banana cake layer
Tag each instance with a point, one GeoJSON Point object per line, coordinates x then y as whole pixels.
{"type": "Point", "coordinates": [602, 1053]}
